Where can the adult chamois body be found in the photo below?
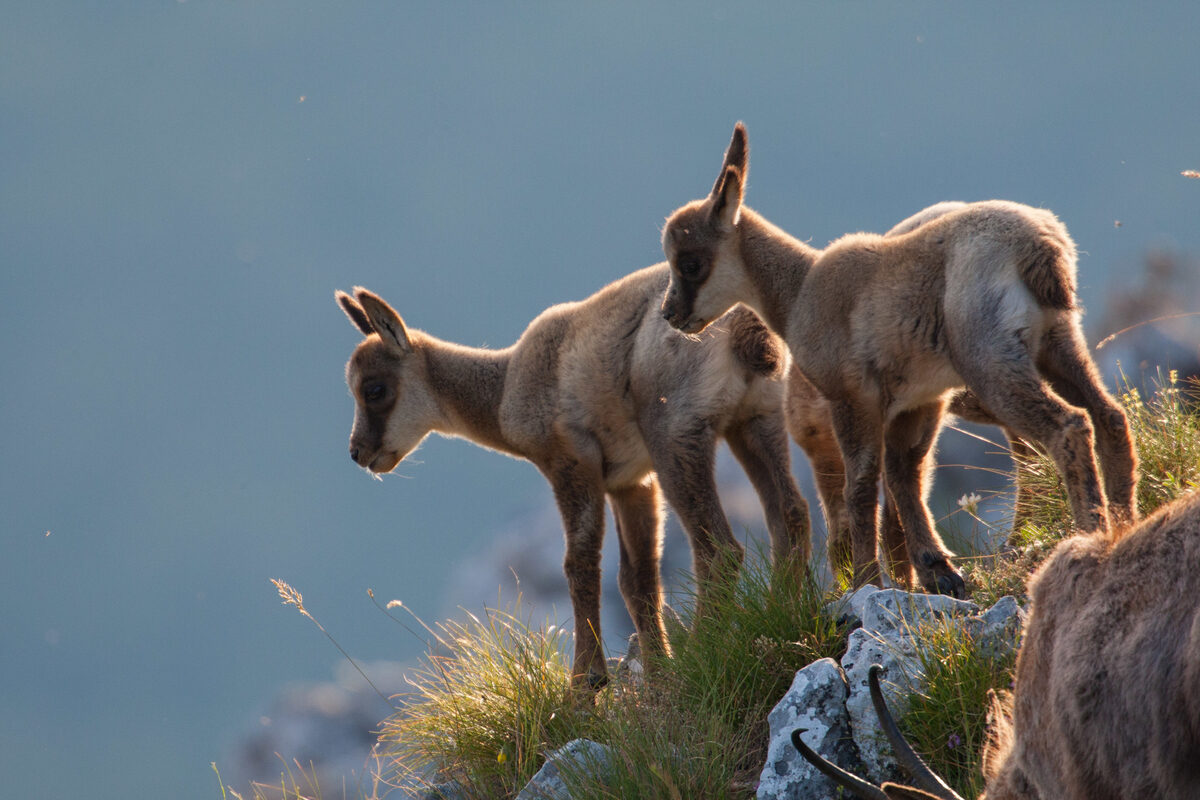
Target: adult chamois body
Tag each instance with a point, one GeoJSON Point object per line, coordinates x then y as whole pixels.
{"type": "Point", "coordinates": [604, 398]}
{"type": "Point", "coordinates": [809, 420]}
{"type": "Point", "coordinates": [1106, 700]}
{"type": "Point", "coordinates": [887, 328]}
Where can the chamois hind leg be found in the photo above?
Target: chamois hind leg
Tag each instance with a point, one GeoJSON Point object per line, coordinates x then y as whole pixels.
{"type": "Point", "coordinates": [810, 422]}
{"type": "Point", "coordinates": [908, 460]}
{"type": "Point", "coordinates": [1006, 382]}
{"type": "Point", "coordinates": [579, 493]}
{"type": "Point", "coordinates": [893, 542]}
{"type": "Point", "coordinates": [638, 513]}
{"type": "Point", "coordinates": [760, 446]}
{"type": "Point", "coordinates": [965, 405]}
{"type": "Point", "coordinates": [1064, 361]}
{"type": "Point", "coordinates": [860, 437]}
{"type": "Point", "coordinates": [684, 460]}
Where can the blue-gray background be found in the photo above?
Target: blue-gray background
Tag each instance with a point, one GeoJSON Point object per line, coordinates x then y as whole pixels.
{"type": "Point", "coordinates": [184, 184]}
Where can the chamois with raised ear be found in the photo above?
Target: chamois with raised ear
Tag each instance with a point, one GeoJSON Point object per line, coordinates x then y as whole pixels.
{"type": "Point", "coordinates": [810, 422]}
{"type": "Point", "coordinates": [1105, 704]}
{"type": "Point", "coordinates": [886, 328]}
{"type": "Point", "coordinates": [604, 398]}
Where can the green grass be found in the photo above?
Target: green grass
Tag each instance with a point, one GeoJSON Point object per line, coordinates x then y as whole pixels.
{"type": "Point", "coordinates": [946, 720]}
{"type": "Point", "coordinates": [487, 711]}
{"type": "Point", "coordinates": [493, 699]}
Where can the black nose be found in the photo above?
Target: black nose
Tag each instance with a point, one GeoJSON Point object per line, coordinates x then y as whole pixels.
{"type": "Point", "coordinates": [354, 454]}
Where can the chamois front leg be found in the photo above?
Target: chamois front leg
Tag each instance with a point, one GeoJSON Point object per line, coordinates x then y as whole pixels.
{"type": "Point", "coordinates": [580, 497]}
{"type": "Point", "coordinates": [908, 459]}
{"type": "Point", "coordinates": [684, 460]}
{"type": "Point", "coordinates": [760, 446]}
{"type": "Point", "coordinates": [860, 437]}
{"type": "Point", "coordinates": [638, 512]}
{"type": "Point", "coordinates": [810, 423]}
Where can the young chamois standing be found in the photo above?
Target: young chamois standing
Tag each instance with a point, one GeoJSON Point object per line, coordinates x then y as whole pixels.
{"type": "Point", "coordinates": [604, 398]}
{"type": "Point", "coordinates": [809, 420]}
{"type": "Point", "coordinates": [886, 328]}
{"type": "Point", "coordinates": [1106, 700]}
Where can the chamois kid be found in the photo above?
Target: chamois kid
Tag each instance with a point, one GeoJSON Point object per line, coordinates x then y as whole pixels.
{"type": "Point", "coordinates": [809, 420]}
{"type": "Point", "coordinates": [1106, 700]}
{"type": "Point", "coordinates": [604, 398]}
{"type": "Point", "coordinates": [886, 328]}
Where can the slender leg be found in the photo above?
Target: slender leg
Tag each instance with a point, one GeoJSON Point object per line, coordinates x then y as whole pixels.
{"type": "Point", "coordinates": [1065, 363]}
{"type": "Point", "coordinates": [860, 437]}
{"type": "Point", "coordinates": [639, 529]}
{"type": "Point", "coordinates": [580, 497]}
{"type": "Point", "coordinates": [810, 423]}
{"type": "Point", "coordinates": [684, 460]}
{"type": "Point", "coordinates": [760, 446]}
{"type": "Point", "coordinates": [908, 460]}
{"type": "Point", "coordinates": [895, 545]}
{"type": "Point", "coordinates": [1003, 375]}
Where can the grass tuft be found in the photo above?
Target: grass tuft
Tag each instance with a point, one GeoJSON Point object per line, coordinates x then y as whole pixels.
{"type": "Point", "coordinates": [946, 722]}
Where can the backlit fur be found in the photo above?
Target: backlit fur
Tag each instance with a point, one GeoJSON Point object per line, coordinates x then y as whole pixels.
{"type": "Point", "coordinates": [606, 400]}
{"type": "Point", "coordinates": [981, 297]}
{"type": "Point", "coordinates": [810, 422]}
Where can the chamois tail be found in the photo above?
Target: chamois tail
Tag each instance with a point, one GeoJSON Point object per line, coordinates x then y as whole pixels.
{"type": "Point", "coordinates": [753, 345]}
{"type": "Point", "coordinates": [1048, 267]}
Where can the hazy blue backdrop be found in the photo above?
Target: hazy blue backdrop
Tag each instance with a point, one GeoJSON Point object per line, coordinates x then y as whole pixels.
{"type": "Point", "coordinates": [184, 184]}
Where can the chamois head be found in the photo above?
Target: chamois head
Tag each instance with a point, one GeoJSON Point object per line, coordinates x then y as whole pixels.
{"type": "Point", "coordinates": [700, 243]}
{"type": "Point", "coordinates": [394, 409]}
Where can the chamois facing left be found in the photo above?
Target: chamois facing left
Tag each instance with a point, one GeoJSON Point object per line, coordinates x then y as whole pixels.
{"type": "Point", "coordinates": [605, 399]}
{"type": "Point", "coordinates": [980, 297]}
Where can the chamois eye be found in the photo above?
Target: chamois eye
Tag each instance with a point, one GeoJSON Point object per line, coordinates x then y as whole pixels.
{"type": "Point", "coordinates": [374, 392]}
{"type": "Point", "coordinates": [688, 266]}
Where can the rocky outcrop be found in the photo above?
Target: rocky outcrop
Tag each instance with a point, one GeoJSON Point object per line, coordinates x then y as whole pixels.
{"type": "Point", "coordinates": [847, 732]}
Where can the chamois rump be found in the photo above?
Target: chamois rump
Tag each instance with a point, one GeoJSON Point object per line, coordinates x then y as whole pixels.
{"type": "Point", "coordinates": [809, 420]}
{"type": "Point", "coordinates": [1106, 700]}
{"type": "Point", "coordinates": [887, 328]}
{"type": "Point", "coordinates": [604, 398]}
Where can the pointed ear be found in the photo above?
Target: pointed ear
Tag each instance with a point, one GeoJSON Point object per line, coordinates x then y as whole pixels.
{"type": "Point", "coordinates": [355, 312]}
{"type": "Point", "coordinates": [383, 319]}
{"type": "Point", "coordinates": [727, 200]}
{"type": "Point", "coordinates": [736, 156]}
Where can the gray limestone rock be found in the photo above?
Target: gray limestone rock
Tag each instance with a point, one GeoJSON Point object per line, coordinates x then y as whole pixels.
{"type": "Point", "coordinates": [816, 702]}
{"type": "Point", "coordinates": [578, 754]}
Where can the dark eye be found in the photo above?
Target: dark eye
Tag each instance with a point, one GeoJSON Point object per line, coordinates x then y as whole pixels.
{"type": "Point", "coordinates": [374, 392]}
{"type": "Point", "coordinates": [688, 266]}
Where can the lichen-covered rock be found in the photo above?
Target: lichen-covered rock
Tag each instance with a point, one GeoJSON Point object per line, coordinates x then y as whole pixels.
{"type": "Point", "coordinates": [848, 609]}
{"type": "Point", "coordinates": [578, 754]}
{"type": "Point", "coordinates": [816, 701]}
{"type": "Point", "coordinates": [894, 610]}
{"type": "Point", "coordinates": [889, 636]}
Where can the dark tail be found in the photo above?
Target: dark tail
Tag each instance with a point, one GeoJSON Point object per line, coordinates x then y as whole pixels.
{"type": "Point", "coordinates": [1048, 268]}
{"type": "Point", "coordinates": [753, 345]}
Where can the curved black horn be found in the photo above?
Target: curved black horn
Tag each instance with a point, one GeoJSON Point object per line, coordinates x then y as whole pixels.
{"type": "Point", "coordinates": [923, 776]}
{"type": "Point", "coordinates": [857, 786]}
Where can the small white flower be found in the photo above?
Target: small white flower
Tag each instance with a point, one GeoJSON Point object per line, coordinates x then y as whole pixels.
{"type": "Point", "coordinates": [969, 503]}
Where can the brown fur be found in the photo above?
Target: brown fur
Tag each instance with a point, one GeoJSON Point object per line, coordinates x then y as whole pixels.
{"type": "Point", "coordinates": [606, 400]}
{"type": "Point", "coordinates": [809, 420]}
{"type": "Point", "coordinates": [888, 328]}
{"type": "Point", "coordinates": [1106, 700]}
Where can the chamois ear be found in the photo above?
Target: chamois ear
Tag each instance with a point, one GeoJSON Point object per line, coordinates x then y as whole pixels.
{"type": "Point", "coordinates": [727, 200]}
{"type": "Point", "coordinates": [383, 319]}
{"type": "Point", "coordinates": [355, 312]}
{"type": "Point", "coordinates": [737, 155]}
